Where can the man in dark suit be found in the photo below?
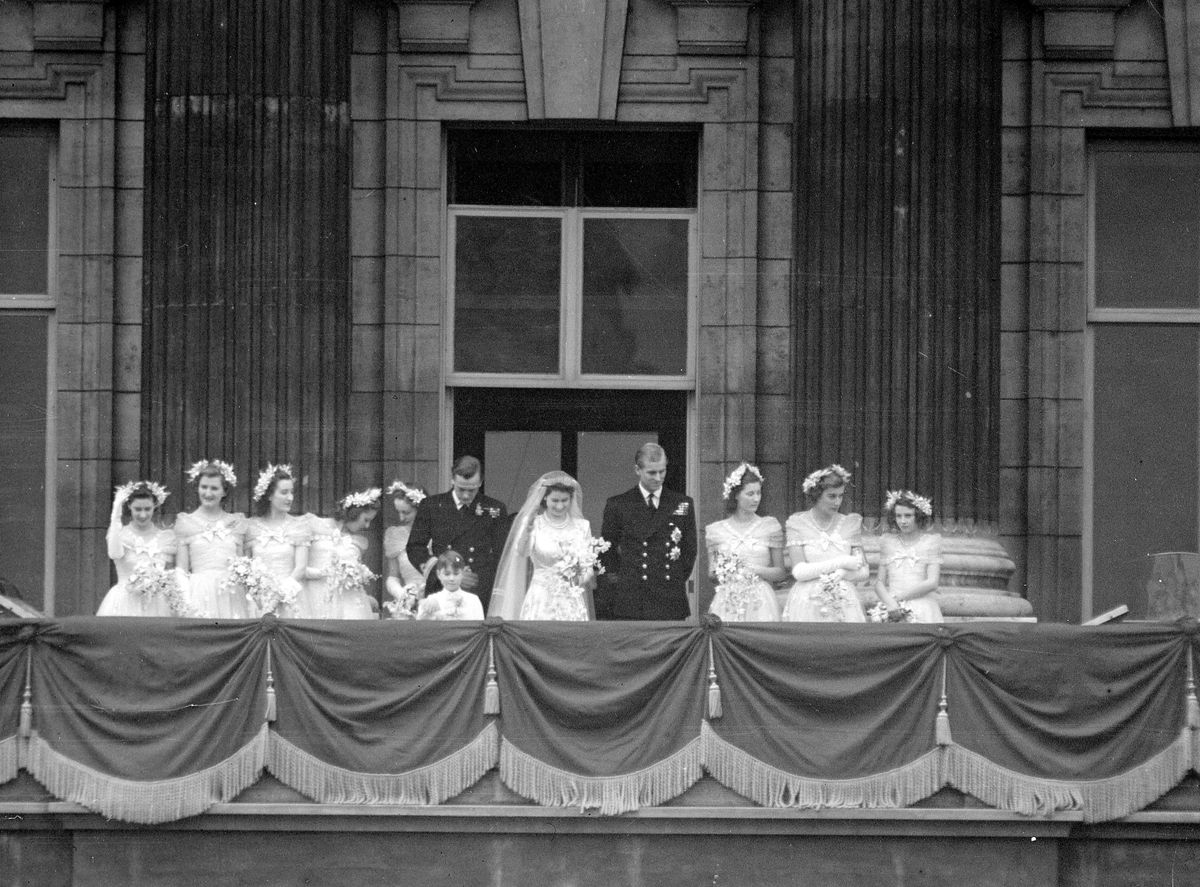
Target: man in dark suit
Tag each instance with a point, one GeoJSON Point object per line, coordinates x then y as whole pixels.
{"type": "Point", "coordinates": [465, 520]}
{"type": "Point", "coordinates": [652, 531]}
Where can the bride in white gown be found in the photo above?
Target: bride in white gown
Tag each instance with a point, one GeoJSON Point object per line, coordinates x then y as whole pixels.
{"type": "Point", "coordinates": [549, 524]}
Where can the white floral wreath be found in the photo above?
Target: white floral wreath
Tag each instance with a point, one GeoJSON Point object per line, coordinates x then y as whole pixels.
{"type": "Point", "coordinates": [266, 476]}
{"type": "Point", "coordinates": [399, 488]}
{"type": "Point", "coordinates": [921, 503]}
{"type": "Point", "coordinates": [363, 499]}
{"type": "Point", "coordinates": [735, 478]}
{"type": "Point", "coordinates": [158, 491]}
{"type": "Point", "coordinates": [224, 467]}
{"type": "Point", "coordinates": [811, 482]}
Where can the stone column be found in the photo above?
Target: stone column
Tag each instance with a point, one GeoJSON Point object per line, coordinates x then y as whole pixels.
{"type": "Point", "coordinates": [246, 304]}
{"type": "Point", "coordinates": [897, 255]}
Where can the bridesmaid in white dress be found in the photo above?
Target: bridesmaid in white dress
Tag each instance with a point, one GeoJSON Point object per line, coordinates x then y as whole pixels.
{"type": "Point", "coordinates": [757, 541]}
{"type": "Point", "coordinates": [910, 559]}
{"type": "Point", "coordinates": [826, 551]}
{"type": "Point", "coordinates": [209, 538]}
{"type": "Point", "coordinates": [276, 537]}
{"type": "Point", "coordinates": [550, 522]}
{"type": "Point", "coordinates": [354, 517]}
{"type": "Point", "coordinates": [136, 542]}
{"type": "Point", "coordinates": [399, 569]}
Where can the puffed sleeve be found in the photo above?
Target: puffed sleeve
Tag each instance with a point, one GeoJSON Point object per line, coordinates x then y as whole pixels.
{"type": "Point", "coordinates": [887, 547]}
{"type": "Point", "coordinates": [168, 543]}
{"type": "Point", "coordinates": [238, 525]}
{"type": "Point", "coordinates": [933, 549]}
{"type": "Point", "coordinates": [795, 530]}
{"type": "Point", "coordinates": [394, 542]}
{"type": "Point", "coordinates": [186, 527]}
{"type": "Point", "coordinates": [772, 532]}
{"type": "Point", "coordinates": [851, 529]}
{"type": "Point", "coordinates": [300, 533]}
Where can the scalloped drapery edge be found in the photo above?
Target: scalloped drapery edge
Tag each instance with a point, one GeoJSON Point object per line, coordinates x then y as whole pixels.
{"type": "Point", "coordinates": [431, 784]}
{"type": "Point", "coordinates": [769, 786]}
{"type": "Point", "coordinates": [551, 787]}
{"type": "Point", "coordinates": [1098, 799]}
{"type": "Point", "coordinates": [8, 758]}
{"type": "Point", "coordinates": [163, 800]}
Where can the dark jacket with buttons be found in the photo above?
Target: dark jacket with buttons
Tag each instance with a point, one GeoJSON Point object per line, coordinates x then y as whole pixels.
{"type": "Point", "coordinates": [651, 557]}
{"type": "Point", "coordinates": [477, 532]}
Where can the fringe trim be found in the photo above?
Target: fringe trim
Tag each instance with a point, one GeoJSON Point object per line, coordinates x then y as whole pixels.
{"type": "Point", "coordinates": [8, 758]}
{"type": "Point", "coordinates": [771, 787]}
{"type": "Point", "coordinates": [1098, 799]}
{"type": "Point", "coordinates": [552, 787]}
{"type": "Point", "coordinates": [432, 784]}
{"type": "Point", "coordinates": [153, 801]}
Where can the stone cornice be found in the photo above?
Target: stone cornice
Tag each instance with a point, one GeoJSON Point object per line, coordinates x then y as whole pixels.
{"type": "Point", "coordinates": [713, 27]}
{"type": "Point", "coordinates": [1079, 29]}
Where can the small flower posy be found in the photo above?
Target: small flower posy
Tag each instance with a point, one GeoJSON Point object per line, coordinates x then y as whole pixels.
{"type": "Point", "coordinates": [735, 478]}
{"type": "Point", "coordinates": [363, 498]}
{"type": "Point", "coordinates": [880, 613]}
{"type": "Point", "coordinates": [264, 479]}
{"type": "Point", "coordinates": [920, 503]}
{"type": "Point", "coordinates": [158, 491]}
{"type": "Point", "coordinates": [399, 488]}
{"type": "Point", "coordinates": [224, 467]}
{"type": "Point", "coordinates": [810, 482]}
{"type": "Point", "coordinates": [404, 607]}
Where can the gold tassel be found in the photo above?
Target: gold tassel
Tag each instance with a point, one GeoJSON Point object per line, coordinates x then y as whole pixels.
{"type": "Point", "coordinates": [941, 730]}
{"type": "Point", "coordinates": [491, 692]}
{"type": "Point", "coordinates": [270, 688]}
{"type": "Point", "coordinates": [25, 723]}
{"type": "Point", "coordinates": [1193, 706]}
{"type": "Point", "coordinates": [714, 689]}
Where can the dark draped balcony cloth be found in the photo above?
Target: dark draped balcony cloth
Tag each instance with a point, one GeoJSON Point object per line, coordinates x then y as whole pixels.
{"type": "Point", "coordinates": [14, 659]}
{"type": "Point", "coordinates": [1057, 717]}
{"type": "Point", "coordinates": [826, 715]}
{"type": "Point", "coordinates": [600, 715]}
{"type": "Point", "coordinates": [147, 720]}
{"type": "Point", "coordinates": [381, 712]}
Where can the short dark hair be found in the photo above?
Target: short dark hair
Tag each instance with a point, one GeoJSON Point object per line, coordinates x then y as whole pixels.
{"type": "Point", "coordinates": [465, 466]}
{"type": "Point", "coordinates": [827, 481]}
{"type": "Point", "coordinates": [141, 491]}
{"type": "Point", "coordinates": [923, 519]}
{"type": "Point", "coordinates": [450, 561]}
{"type": "Point", "coordinates": [750, 476]}
{"type": "Point", "coordinates": [557, 488]}
{"type": "Point", "coordinates": [262, 506]}
{"type": "Point", "coordinates": [348, 513]}
{"type": "Point", "coordinates": [211, 470]}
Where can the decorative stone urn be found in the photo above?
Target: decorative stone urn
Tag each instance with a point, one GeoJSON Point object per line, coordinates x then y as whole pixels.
{"type": "Point", "coordinates": [975, 573]}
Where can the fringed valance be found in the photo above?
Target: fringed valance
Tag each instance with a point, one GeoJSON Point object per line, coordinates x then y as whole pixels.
{"type": "Point", "coordinates": [151, 720]}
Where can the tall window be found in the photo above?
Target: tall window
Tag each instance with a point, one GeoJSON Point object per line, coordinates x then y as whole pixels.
{"type": "Point", "coordinates": [1144, 352]}
{"type": "Point", "coordinates": [26, 318]}
{"type": "Point", "coordinates": [571, 258]}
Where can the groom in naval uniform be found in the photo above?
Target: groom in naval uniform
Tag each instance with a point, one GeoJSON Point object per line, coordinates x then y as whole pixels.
{"type": "Point", "coordinates": [465, 520]}
{"type": "Point", "coordinates": [652, 531]}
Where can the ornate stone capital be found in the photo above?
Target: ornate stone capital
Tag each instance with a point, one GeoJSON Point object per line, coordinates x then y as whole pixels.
{"type": "Point", "coordinates": [1079, 29]}
{"type": "Point", "coordinates": [713, 27]}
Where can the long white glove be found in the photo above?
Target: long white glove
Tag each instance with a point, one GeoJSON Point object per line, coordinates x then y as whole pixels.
{"type": "Point", "coordinates": [805, 570]}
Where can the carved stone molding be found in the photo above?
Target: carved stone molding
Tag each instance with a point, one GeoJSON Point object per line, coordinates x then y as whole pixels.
{"type": "Point", "coordinates": [435, 25]}
{"type": "Point", "coordinates": [1079, 29]}
{"type": "Point", "coordinates": [1181, 20]}
{"type": "Point", "coordinates": [76, 26]}
{"type": "Point", "coordinates": [572, 53]}
{"type": "Point", "coordinates": [713, 27]}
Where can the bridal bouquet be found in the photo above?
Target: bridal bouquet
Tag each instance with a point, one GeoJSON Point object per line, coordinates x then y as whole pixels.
{"type": "Point", "coordinates": [347, 578]}
{"type": "Point", "coordinates": [879, 613]}
{"type": "Point", "coordinates": [831, 595]}
{"type": "Point", "coordinates": [579, 557]}
{"type": "Point", "coordinates": [737, 580]}
{"type": "Point", "coordinates": [404, 606]}
{"type": "Point", "coordinates": [263, 589]}
{"type": "Point", "coordinates": [152, 580]}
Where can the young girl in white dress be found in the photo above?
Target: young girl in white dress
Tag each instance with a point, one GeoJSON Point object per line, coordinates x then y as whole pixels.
{"type": "Point", "coordinates": [140, 541]}
{"type": "Point", "coordinates": [549, 523]}
{"type": "Point", "coordinates": [275, 537]}
{"type": "Point", "coordinates": [756, 541]}
{"type": "Point", "coordinates": [451, 602]}
{"type": "Point", "coordinates": [910, 559]}
{"type": "Point", "coordinates": [209, 538]}
{"type": "Point", "coordinates": [826, 551]}
{"type": "Point", "coordinates": [398, 568]}
{"type": "Point", "coordinates": [338, 538]}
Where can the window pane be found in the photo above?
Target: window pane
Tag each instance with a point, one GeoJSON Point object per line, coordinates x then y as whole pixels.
{"type": "Point", "coordinates": [24, 211]}
{"type": "Point", "coordinates": [1145, 489]}
{"type": "Point", "coordinates": [506, 168]}
{"type": "Point", "coordinates": [513, 460]}
{"type": "Point", "coordinates": [1147, 229]}
{"type": "Point", "coordinates": [506, 295]}
{"type": "Point", "coordinates": [23, 453]}
{"type": "Point", "coordinates": [639, 170]}
{"type": "Point", "coordinates": [635, 305]}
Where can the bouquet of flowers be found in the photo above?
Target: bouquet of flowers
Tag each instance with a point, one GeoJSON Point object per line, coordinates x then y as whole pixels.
{"type": "Point", "coordinates": [347, 577]}
{"type": "Point", "coordinates": [262, 588]}
{"type": "Point", "coordinates": [736, 579]}
{"type": "Point", "coordinates": [152, 580]}
{"type": "Point", "coordinates": [880, 613]}
{"type": "Point", "coordinates": [404, 606]}
{"type": "Point", "coordinates": [579, 557]}
{"type": "Point", "coordinates": [831, 595]}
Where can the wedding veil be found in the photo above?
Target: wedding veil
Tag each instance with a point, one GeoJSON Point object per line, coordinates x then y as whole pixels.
{"type": "Point", "coordinates": [512, 574]}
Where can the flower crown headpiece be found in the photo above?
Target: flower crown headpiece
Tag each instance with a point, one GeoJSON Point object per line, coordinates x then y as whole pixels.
{"type": "Point", "coordinates": [735, 478]}
{"type": "Point", "coordinates": [399, 488]}
{"type": "Point", "coordinates": [158, 491]}
{"type": "Point", "coordinates": [810, 482]}
{"type": "Point", "coordinates": [266, 476]}
{"type": "Point", "coordinates": [363, 498]}
{"type": "Point", "coordinates": [224, 467]}
{"type": "Point", "coordinates": [921, 503]}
